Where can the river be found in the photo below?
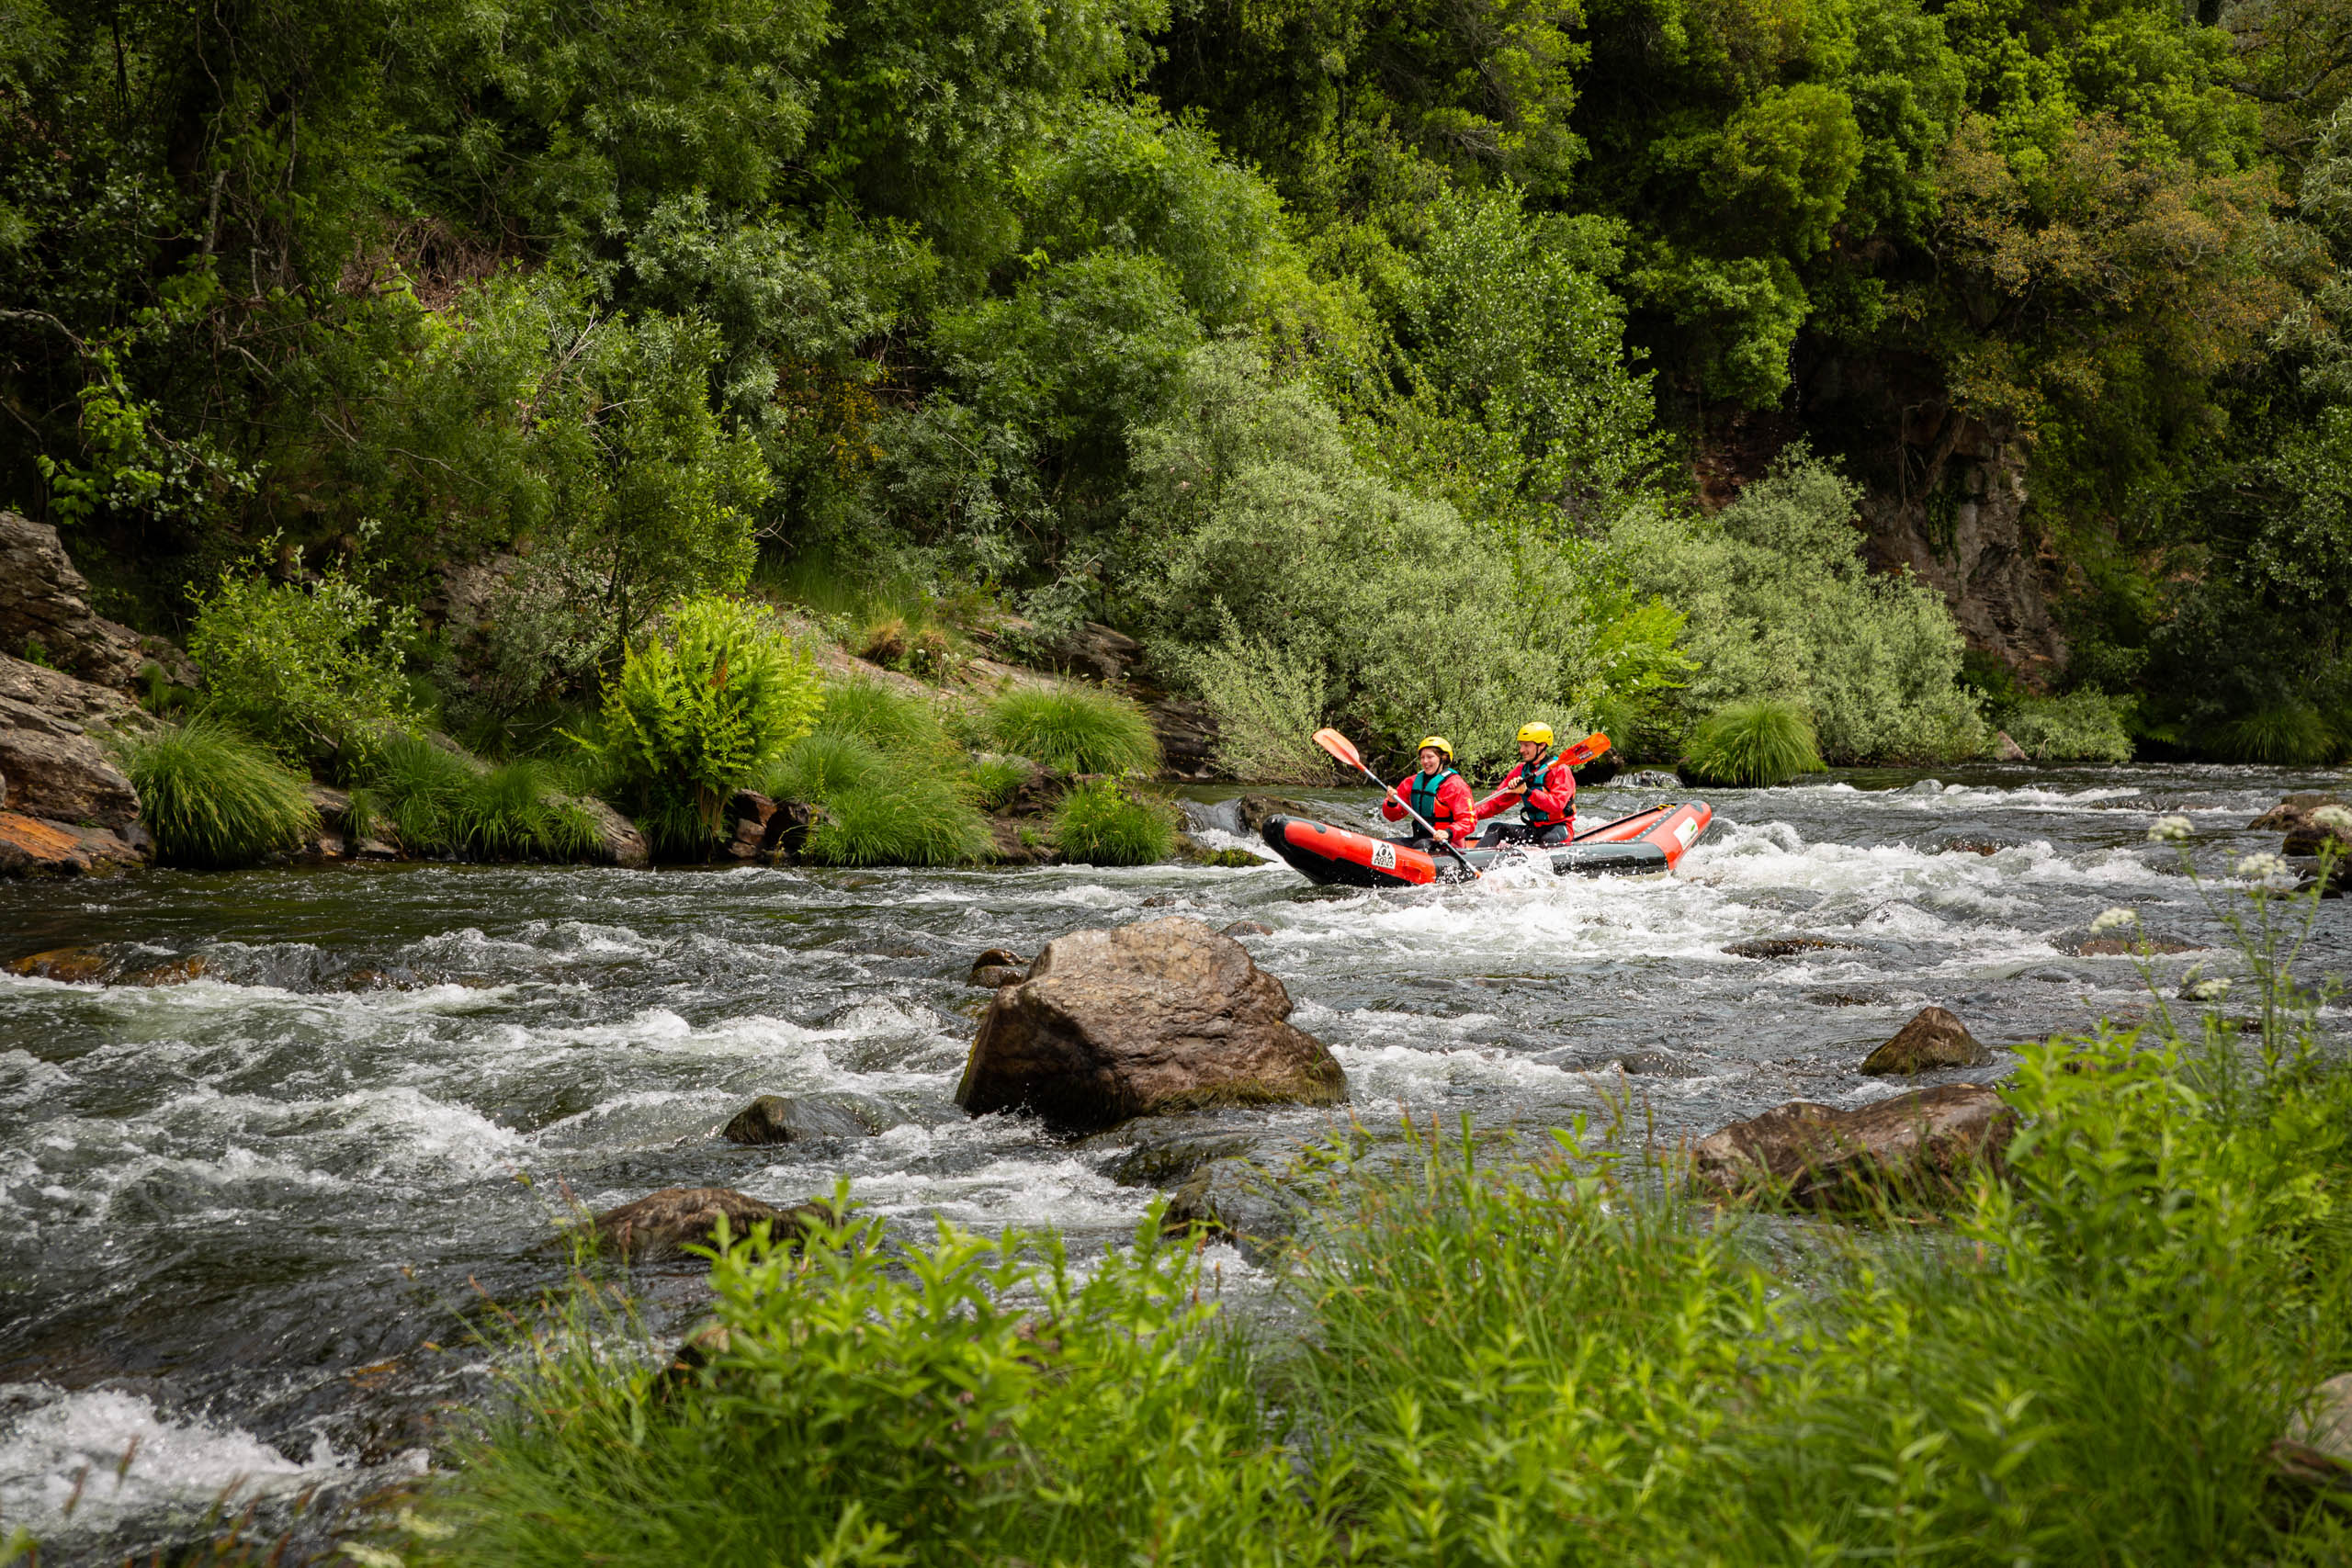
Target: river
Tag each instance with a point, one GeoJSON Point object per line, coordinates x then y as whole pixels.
{"type": "Point", "coordinates": [245, 1221]}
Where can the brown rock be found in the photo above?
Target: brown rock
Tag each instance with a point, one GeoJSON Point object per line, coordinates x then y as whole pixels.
{"type": "Point", "coordinates": [1818, 1156]}
{"type": "Point", "coordinates": [781, 1118]}
{"type": "Point", "coordinates": [1248, 928]}
{"type": "Point", "coordinates": [1935, 1038]}
{"type": "Point", "coordinates": [172, 971]}
{"type": "Point", "coordinates": [74, 965]}
{"type": "Point", "coordinates": [619, 842]}
{"type": "Point", "coordinates": [2007, 750]}
{"type": "Point", "coordinates": [1251, 811]}
{"type": "Point", "coordinates": [1147, 1020]}
{"type": "Point", "coordinates": [1187, 733]}
{"type": "Point", "coordinates": [2294, 810]}
{"type": "Point", "coordinates": [998, 966]}
{"type": "Point", "coordinates": [1097, 651]}
{"type": "Point", "coordinates": [31, 848]}
{"type": "Point", "coordinates": [44, 602]}
{"type": "Point", "coordinates": [1781, 946]}
{"type": "Point", "coordinates": [664, 1225]}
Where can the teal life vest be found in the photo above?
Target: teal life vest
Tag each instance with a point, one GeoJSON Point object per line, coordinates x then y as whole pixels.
{"type": "Point", "coordinates": [1423, 794]}
{"type": "Point", "coordinates": [1533, 774]}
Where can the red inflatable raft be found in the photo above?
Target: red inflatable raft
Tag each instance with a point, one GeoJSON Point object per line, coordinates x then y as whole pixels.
{"type": "Point", "coordinates": [1654, 840]}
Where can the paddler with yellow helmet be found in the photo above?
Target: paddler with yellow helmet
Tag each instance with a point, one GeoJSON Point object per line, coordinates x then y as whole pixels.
{"type": "Point", "coordinates": [1438, 795]}
{"type": "Point", "coordinates": [1541, 787]}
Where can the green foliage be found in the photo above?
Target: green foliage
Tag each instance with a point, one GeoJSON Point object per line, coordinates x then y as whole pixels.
{"type": "Point", "coordinates": [436, 801]}
{"type": "Point", "coordinates": [886, 716]}
{"type": "Point", "coordinates": [909, 814]}
{"type": "Point", "coordinates": [1781, 608]}
{"type": "Point", "coordinates": [2288, 736]}
{"type": "Point", "coordinates": [2081, 726]}
{"type": "Point", "coordinates": [821, 765]}
{"type": "Point", "coordinates": [700, 708]}
{"type": "Point", "coordinates": [314, 671]}
{"type": "Point", "coordinates": [1751, 745]}
{"type": "Point", "coordinates": [1102, 822]}
{"type": "Point", "coordinates": [212, 799]}
{"type": "Point", "coordinates": [1267, 710]}
{"type": "Point", "coordinates": [997, 778]}
{"type": "Point", "coordinates": [1079, 729]}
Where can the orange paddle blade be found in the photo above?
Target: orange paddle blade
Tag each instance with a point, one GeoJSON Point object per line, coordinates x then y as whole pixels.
{"type": "Point", "coordinates": [1339, 745]}
{"type": "Point", "coordinates": [1586, 749]}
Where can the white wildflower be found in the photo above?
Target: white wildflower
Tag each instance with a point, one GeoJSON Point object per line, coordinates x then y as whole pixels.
{"type": "Point", "coordinates": [2268, 871]}
{"type": "Point", "coordinates": [2206, 990]}
{"type": "Point", "coordinates": [2109, 920]}
{"type": "Point", "coordinates": [2336, 819]}
{"type": "Point", "coordinates": [2173, 829]}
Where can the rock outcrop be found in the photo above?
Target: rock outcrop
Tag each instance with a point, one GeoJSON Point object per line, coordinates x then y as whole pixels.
{"type": "Point", "coordinates": [1164, 1016]}
{"type": "Point", "coordinates": [45, 609]}
{"type": "Point", "coordinates": [1187, 734]}
{"type": "Point", "coordinates": [1934, 1039]}
{"type": "Point", "coordinates": [800, 1119]}
{"type": "Point", "coordinates": [2298, 816]}
{"type": "Point", "coordinates": [1818, 1156]}
{"type": "Point", "coordinates": [618, 841]}
{"type": "Point", "coordinates": [664, 1225]}
{"type": "Point", "coordinates": [51, 751]}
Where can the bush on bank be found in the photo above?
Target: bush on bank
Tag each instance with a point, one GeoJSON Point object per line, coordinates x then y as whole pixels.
{"type": "Point", "coordinates": [1752, 745]}
{"type": "Point", "coordinates": [1551, 1359]}
{"type": "Point", "coordinates": [1102, 823]}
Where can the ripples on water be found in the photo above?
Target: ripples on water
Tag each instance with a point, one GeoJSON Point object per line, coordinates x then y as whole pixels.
{"type": "Point", "coordinates": [233, 1212]}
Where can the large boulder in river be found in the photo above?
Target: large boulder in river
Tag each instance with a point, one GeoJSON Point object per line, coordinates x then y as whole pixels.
{"type": "Point", "coordinates": [1148, 1020]}
{"type": "Point", "coordinates": [45, 604]}
{"type": "Point", "coordinates": [1820, 1157]}
{"type": "Point", "coordinates": [800, 1119]}
{"type": "Point", "coordinates": [1935, 1038]}
{"type": "Point", "coordinates": [2298, 816]}
{"type": "Point", "coordinates": [664, 1225]}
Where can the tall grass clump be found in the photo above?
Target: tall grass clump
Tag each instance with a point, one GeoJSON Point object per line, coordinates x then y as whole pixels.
{"type": "Point", "coordinates": [1751, 745]}
{"type": "Point", "coordinates": [822, 765]}
{"type": "Point", "coordinates": [1079, 729]}
{"type": "Point", "coordinates": [908, 815]}
{"type": "Point", "coordinates": [698, 710]}
{"type": "Point", "coordinates": [2287, 736]}
{"type": "Point", "coordinates": [997, 778]}
{"type": "Point", "coordinates": [1101, 822]}
{"type": "Point", "coordinates": [436, 801]}
{"type": "Point", "coordinates": [212, 799]}
{"type": "Point", "coordinates": [2081, 726]}
{"type": "Point", "coordinates": [876, 712]}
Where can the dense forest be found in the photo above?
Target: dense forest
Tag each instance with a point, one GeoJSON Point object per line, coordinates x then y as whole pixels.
{"type": "Point", "coordinates": [1930, 364]}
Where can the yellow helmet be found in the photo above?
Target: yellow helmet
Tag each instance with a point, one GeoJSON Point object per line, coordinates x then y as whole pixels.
{"type": "Point", "coordinates": [1539, 733]}
{"type": "Point", "coordinates": [1437, 743]}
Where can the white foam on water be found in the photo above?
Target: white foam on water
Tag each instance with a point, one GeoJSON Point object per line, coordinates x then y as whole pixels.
{"type": "Point", "coordinates": [54, 1444]}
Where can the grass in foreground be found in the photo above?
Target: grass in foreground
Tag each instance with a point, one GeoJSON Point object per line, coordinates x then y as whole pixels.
{"type": "Point", "coordinates": [1555, 1360]}
{"type": "Point", "coordinates": [212, 799]}
{"type": "Point", "coordinates": [1752, 745]}
{"type": "Point", "coordinates": [1079, 729]}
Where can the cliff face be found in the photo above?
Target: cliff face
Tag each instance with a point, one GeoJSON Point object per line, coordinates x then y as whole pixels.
{"type": "Point", "coordinates": [1945, 495]}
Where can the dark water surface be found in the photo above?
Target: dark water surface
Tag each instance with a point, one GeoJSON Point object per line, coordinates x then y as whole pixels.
{"type": "Point", "coordinates": [233, 1213]}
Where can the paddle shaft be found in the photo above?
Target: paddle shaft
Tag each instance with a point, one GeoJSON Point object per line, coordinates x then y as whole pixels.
{"type": "Point", "coordinates": [1439, 839]}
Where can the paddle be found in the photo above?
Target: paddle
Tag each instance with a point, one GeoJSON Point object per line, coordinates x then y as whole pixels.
{"type": "Point", "coordinates": [1341, 747]}
{"type": "Point", "coordinates": [1575, 756]}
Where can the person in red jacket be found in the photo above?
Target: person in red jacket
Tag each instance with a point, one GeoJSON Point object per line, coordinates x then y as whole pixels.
{"type": "Point", "coordinates": [1543, 789]}
{"type": "Point", "coordinates": [1438, 793]}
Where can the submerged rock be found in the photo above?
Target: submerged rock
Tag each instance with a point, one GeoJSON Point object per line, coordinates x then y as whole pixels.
{"type": "Point", "coordinates": [795, 1119]}
{"type": "Point", "coordinates": [663, 1225]}
{"type": "Point", "coordinates": [996, 961]}
{"type": "Point", "coordinates": [1648, 778]}
{"type": "Point", "coordinates": [1934, 1038]}
{"type": "Point", "coordinates": [1248, 928]}
{"type": "Point", "coordinates": [74, 965]}
{"type": "Point", "coordinates": [1147, 1020]}
{"type": "Point", "coordinates": [1241, 1199]}
{"type": "Point", "coordinates": [1781, 946]}
{"type": "Point", "coordinates": [1819, 1156]}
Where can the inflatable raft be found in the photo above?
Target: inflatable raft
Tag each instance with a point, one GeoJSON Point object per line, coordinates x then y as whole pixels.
{"type": "Point", "coordinates": [1654, 840]}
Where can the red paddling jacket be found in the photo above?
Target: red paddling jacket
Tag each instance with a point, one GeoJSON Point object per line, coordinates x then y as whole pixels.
{"type": "Point", "coordinates": [1441, 799]}
{"type": "Point", "coordinates": [1551, 799]}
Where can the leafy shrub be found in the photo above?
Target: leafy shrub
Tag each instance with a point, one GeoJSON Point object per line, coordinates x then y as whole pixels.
{"type": "Point", "coordinates": [1267, 708]}
{"type": "Point", "coordinates": [313, 671]}
{"type": "Point", "coordinates": [908, 815]}
{"type": "Point", "coordinates": [1101, 823]}
{"type": "Point", "coordinates": [213, 799]}
{"type": "Point", "coordinates": [2285, 736]}
{"type": "Point", "coordinates": [1751, 745]}
{"type": "Point", "coordinates": [2081, 726]}
{"type": "Point", "coordinates": [1079, 729]}
{"type": "Point", "coordinates": [438, 802]}
{"type": "Point", "coordinates": [696, 711]}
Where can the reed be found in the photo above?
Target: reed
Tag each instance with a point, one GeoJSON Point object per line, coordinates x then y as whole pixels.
{"type": "Point", "coordinates": [1102, 823]}
{"type": "Point", "coordinates": [2286, 735]}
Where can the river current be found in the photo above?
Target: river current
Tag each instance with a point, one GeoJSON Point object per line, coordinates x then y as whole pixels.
{"type": "Point", "coordinates": [246, 1221]}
